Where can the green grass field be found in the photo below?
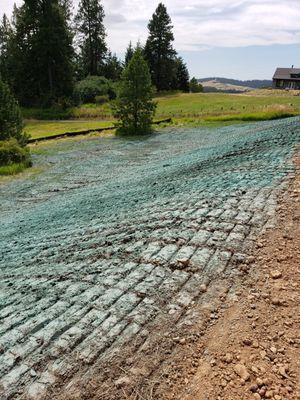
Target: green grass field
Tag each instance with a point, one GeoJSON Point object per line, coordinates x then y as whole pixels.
{"type": "Point", "coordinates": [185, 109]}
{"type": "Point", "coordinates": [37, 129]}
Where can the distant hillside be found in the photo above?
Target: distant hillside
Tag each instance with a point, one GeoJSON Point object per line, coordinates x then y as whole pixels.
{"type": "Point", "coordinates": [254, 84]}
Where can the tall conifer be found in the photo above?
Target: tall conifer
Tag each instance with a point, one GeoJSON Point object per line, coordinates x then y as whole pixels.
{"type": "Point", "coordinates": [159, 51]}
{"type": "Point", "coordinates": [129, 54]}
{"type": "Point", "coordinates": [134, 108]}
{"type": "Point", "coordinates": [43, 53]}
{"type": "Point", "coordinates": [182, 76]}
{"type": "Point", "coordinates": [91, 34]}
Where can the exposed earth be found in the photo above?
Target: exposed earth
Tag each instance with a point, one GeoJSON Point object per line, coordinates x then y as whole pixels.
{"type": "Point", "coordinates": [127, 268]}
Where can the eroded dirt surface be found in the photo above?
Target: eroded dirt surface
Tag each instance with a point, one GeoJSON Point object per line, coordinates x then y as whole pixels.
{"type": "Point", "coordinates": [113, 253]}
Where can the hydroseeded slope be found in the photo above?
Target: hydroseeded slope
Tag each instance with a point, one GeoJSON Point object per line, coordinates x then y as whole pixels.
{"type": "Point", "coordinates": [117, 232]}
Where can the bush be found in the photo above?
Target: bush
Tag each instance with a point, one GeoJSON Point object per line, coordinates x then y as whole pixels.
{"type": "Point", "coordinates": [89, 88]}
{"type": "Point", "coordinates": [101, 99]}
{"type": "Point", "coordinates": [54, 113]}
{"type": "Point", "coordinates": [11, 124]}
{"type": "Point", "coordinates": [12, 153]}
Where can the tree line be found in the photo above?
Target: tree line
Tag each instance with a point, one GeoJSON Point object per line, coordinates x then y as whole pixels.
{"type": "Point", "coordinates": [45, 51]}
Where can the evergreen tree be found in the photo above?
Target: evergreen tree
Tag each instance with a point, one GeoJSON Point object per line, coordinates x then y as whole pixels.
{"type": "Point", "coordinates": [159, 51]}
{"type": "Point", "coordinates": [66, 6]}
{"type": "Point", "coordinates": [11, 124]}
{"type": "Point", "coordinates": [129, 54]}
{"type": "Point", "coordinates": [12, 140]}
{"type": "Point", "coordinates": [195, 86]}
{"type": "Point", "coordinates": [182, 75]}
{"type": "Point", "coordinates": [6, 34]}
{"type": "Point", "coordinates": [91, 32]}
{"type": "Point", "coordinates": [42, 52]}
{"type": "Point", "coordinates": [54, 44]}
{"type": "Point", "coordinates": [112, 68]}
{"type": "Point", "coordinates": [134, 107]}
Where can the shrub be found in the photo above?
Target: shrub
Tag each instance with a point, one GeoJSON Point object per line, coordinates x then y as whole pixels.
{"type": "Point", "coordinates": [89, 88]}
{"type": "Point", "coordinates": [12, 153]}
{"type": "Point", "coordinates": [11, 124]}
{"type": "Point", "coordinates": [47, 113]}
{"type": "Point", "coordinates": [101, 99]}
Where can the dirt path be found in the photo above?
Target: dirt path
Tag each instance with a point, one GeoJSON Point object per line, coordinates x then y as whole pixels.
{"type": "Point", "coordinates": [252, 350]}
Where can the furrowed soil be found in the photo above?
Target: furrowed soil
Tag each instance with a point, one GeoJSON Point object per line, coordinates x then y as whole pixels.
{"type": "Point", "coordinates": [251, 348]}
{"type": "Point", "coordinates": [162, 268]}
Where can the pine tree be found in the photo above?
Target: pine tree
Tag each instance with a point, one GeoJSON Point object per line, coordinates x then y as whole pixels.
{"type": "Point", "coordinates": [129, 54]}
{"type": "Point", "coordinates": [195, 86]}
{"type": "Point", "coordinates": [91, 33]}
{"type": "Point", "coordinates": [159, 52]}
{"type": "Point", "coordinates": [54, 45]}
{"type": "Point", "coordinates": [112, 68]}
{"type": "Point", "coordinates": [134, 107]}
{"type": "Point", "coordinates": [42, 52]}
{"type": "Point", "coordinates": [6, 34]}
{"type": "Point", "coordinates": [182, 75]}
{"type": "Point", "coordinates": [11, 124]}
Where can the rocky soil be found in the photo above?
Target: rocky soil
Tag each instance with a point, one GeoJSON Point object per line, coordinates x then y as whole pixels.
{"type": "Point", "coordinates": [251, 349]}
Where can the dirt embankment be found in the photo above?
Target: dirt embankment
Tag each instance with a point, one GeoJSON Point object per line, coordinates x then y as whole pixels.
{"type": "Point", "coordinates": [252, 351]}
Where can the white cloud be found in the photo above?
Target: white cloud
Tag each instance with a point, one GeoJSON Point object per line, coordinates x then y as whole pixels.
{"type": "Point", "coordinates": [201, 24]}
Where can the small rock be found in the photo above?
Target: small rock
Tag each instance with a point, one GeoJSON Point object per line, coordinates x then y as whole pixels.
{"type": "Point", "coordinates": [282, 371]}
{"type": "Point", "coordinates": [256, 396]}
{"type": "Point", "coordinates": [228, 358]}
{"type": "Point", "coordinates": [275, 274]}
{"type": "Point", "coordinates": [241, 370]}
{"type": "Point", "coordinates": [254, 369]}
{"type": "Point", "coordinates": [203, 288]}
{"type": "Point", "coordinates": [276, 301]}
{"type": "Point", "coordinates": [247, 342]}
{"type": "Point", "coordinates": [121, 382]}
{"type": "Point", "coordinates": [263, 354]}
{"type": "Point", "coordinates": [262, 391]}
{"type": "Point", "coordinates": [259, 382]}
{"type": "Point", "coordinates": [253, 388]}
{"type": "Point", "coordinates": [223, 383]}
{"type": "Point", "coordinates": [269, 394]}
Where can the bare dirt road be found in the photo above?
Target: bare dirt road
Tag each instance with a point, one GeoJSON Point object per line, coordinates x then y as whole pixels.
{"type": "Point", "coordinates": [118, 260]}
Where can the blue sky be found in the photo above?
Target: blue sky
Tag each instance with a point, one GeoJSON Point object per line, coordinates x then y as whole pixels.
{"type": "Point", "coordinates": [244, 39]}
{"type": "Point", "coordinates": [252, 62]}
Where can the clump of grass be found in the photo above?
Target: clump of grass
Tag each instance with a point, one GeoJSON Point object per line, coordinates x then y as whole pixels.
{"type": "Point", "coordinates": [12, 169]}
{"type": "Point", "coordinates": [260, 116]}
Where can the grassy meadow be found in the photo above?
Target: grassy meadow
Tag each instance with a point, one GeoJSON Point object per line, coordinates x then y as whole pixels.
{"type": "Point", "coordinates": [37, 128]}
{"type": "Point", "coordinates": [184, 108]}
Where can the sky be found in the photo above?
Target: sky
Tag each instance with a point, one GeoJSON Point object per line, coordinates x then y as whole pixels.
{"type": "Point", "coordinates": [242, 39]}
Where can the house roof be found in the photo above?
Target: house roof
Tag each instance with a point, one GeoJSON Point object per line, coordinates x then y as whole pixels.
{"type": "Point", "coordinates": [287, 73]}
